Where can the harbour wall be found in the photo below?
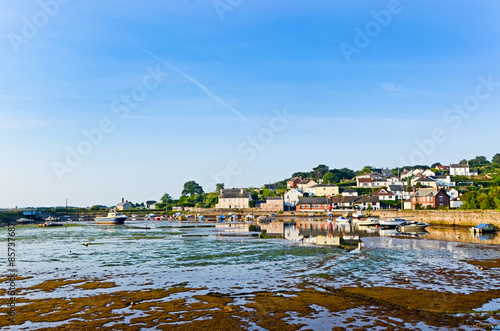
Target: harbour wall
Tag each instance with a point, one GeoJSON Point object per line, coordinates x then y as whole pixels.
{"type": "Point", "coordinates": [444, 217]}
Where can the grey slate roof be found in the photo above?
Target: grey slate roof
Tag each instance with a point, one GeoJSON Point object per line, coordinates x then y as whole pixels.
{"type": "Point", "coordinates": [234, 194]}
{"type": "Point", "coordinates": [314, 200]}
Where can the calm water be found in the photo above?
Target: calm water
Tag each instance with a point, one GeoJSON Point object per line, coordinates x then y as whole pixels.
{"type": "Point", "coordinates": [226, 259]}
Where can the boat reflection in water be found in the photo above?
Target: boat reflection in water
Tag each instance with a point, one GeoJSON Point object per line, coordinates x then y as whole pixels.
{"type": "Point", "coordinates": [330, 233]}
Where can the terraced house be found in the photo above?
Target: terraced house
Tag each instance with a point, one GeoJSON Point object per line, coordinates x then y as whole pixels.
{"type": "Point", "coordinates": [314, 204]}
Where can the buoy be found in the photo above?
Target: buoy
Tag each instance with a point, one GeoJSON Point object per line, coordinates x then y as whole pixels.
{"type": "Point", "coordinates": [481, 269]}
{"type": "Point", "coordinates": [132, 303]}
{"type": "Point", "coordinates": [407, 280]}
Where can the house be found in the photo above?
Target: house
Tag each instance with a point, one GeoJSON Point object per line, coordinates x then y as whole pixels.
{"type": "Point", "coordinates": [325, 190]}
{"type": "Point", "coordinates": [428, 173]}
{"type": "Point", "coordinates": [350, 193]}
{"type": "Point", "coordinates": [453, 193]}
{"type": "Point", "coordinates": [409, 173]}
{"type": "Point", "coordinates": [456, 203]}
{"type": "Point", "coordinates": [443, 181]}
{"type": "Point", "coordinates": [365, 202]}
{"type": "Point", "coordinates": [399, 191]}
{"type": "Point", "coordinates": [292, 183]}
{"type": "Point", "coordinates": [424, 181]}
{"type": "Point", "coordinates": [384, 194]}
{"type": "Point", "coordinates": [305, 184]}
{"type": "Point", "coordinates": [151, 204]}
{"type": "Point", "coordinates": [443, 168]}
{"type": "Point", "coordinates": [234, 198]}
{"type": "Point", "coordinates": [365, 179]}
{"type": "Point", "coordinates": [433, 197]}
{"type": "Point", "coordinates": [407, 204]}
{"type": "Point", "coordinates": [460, 170]}
{"type": "Point", "coordinates": [291, 197]}
{"type": "Point", "coordinates": [364, 182]}
{"type": "Point", "coordinates": [273, 203]}
{"type": "Point", "coordinates": [339, 202]}
{"type": "Point", "coordinates": [124, 205]}
{"type": "Point", "coordinates": [314, 204]}
{"type": "Point", "coordinates": [473, 173]}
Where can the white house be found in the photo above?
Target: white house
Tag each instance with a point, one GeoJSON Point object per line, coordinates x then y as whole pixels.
{"type": "Point", "coordinates": [292, 197]}
{"type": "Point", "coordinates": [399, 191]}
{"type": "Point", "coordinates": [456, 203]}
{"type": "Point", "coordinates": [350, 193]}
{"type": "Point", "coordinates": [428, 173]}
{"type": "Point", "coordinates": [305, 184]}
{"type": "Point", "coordinates": [234, 198]}
{"type": "Point", "coordinates": [384, 194]}
{"type": "Point", "coordinates": [453, 193]}
{"type": "Point", "coordinates": [409, 173]}
{"type": "Point", "coordinates": [459, 170]}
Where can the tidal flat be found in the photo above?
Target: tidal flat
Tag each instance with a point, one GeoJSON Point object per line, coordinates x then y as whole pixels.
{"type": "Point", "coordinates": [179, 277]}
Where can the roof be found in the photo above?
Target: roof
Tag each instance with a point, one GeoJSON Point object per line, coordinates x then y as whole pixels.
{"type": "Point", "coordinates": [150, 202]}
{"type": "Point", "coordinates": [365, 180]}
{"type": "Point", "coordinates": [365, 199]}
{"type": "Point", "coordinates": [396, 188]}
{"type": "Point", "coordinates": [381, 191]}
{"type": "Point", "coordinates": [459, 166]}
{"type": "Point", "coordinates": [325, 185]}
{"type": "Point", "coordinates": [424, 179]}
{"type": "Point", "coordinates": [235, 193]}
{"type": "Point", "coordinates": [314, 200]}
{"type": "Point", "coordinates": [350, 190]}
{"type": "Point", "coordinates": [425, 192]}
{"type": "Point", "coordinates": [274, 198]}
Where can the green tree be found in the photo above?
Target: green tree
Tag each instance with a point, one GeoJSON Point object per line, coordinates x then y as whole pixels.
{"type": "Point", "coordinates": [479, 161]}
{"type": "Point", "coordinates": [470, 200]}
{"type": "Point", "coordinates": [365, 170]}
{"type": "Point", "coordinates": [496, 159]}
{"type": "Point", "coordinates": [219, 187]}
{"type": "Point", "coordinates": [166, 199]}
{"type": "Point", "coordinates": [435, 165]}
{"type": "Point", "coordinates": [329, 178]}
{"type": "Point", "coordinates": [320, 171]}
{"type": "Point", "coordinates": [191, 188]}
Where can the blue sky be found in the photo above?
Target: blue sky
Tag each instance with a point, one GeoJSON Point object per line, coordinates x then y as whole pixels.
{"type": "Point", "coordinates": [215, 80]}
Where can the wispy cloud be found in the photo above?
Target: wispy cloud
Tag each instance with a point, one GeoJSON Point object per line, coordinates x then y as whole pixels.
{"type": "Point", "coordinates": [391, 87]}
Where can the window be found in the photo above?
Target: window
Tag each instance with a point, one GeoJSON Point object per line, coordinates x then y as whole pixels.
{"type": "Point", "coordinates": [441, 199]}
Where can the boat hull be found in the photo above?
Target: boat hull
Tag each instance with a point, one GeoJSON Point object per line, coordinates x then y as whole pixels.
{"type": "Point", "coordinates": [110, 220]}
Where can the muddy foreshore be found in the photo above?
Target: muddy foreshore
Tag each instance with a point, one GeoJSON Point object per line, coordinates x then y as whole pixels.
{"type": "Point", "coordinates": [183, 308]}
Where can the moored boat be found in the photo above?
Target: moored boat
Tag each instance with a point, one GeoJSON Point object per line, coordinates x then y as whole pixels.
{"type": "Point", "coordinates": [343, 219]}
{"type": "Point", "coordinates": [412, 226]}
{"type": "Point", "coordinates": [24, 221]}
{"type": "Point", "coordinates": [370, 221]}
{"type": "Point", "coordinates": [358, 214]}
{"type": "Point", "coordinates": [49, 224]}
{"type": "Point", "coordinates": [393, 222]}
{"type": "Point", "coordinates": [484, 227]}
{"type": "Point", "coordinates": [112, 218]}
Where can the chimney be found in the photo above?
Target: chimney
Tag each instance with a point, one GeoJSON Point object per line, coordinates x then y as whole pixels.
{"type": "Point", "coordinates": [123, 200]}
{"type": "Point", "coordinates": [414, 189]}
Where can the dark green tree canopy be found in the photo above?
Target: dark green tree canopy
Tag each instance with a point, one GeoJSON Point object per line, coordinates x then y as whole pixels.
{"type": "Point", "coordinates": [218, 187]}
{"type": "Point", "coordinates": [496, 159]}
{"type": "Point", "coordinates": [191, 188]}
{"type": "Point", "coordinates": [166, 199]}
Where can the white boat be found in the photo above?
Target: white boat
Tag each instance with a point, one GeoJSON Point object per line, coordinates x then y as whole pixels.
{"type": "Point", "coordinates": [393, 222]}
{"type": "Point", "coordinates": [370, 221]}
{"type": "Point", "coordinates": [25, 221]}
{"type": "Point", "coordinates": [342, 219]}
{"type": "Point", "coordinates": [112, 218]}
{"type": "Point", "coordinates": [358, 214]}
{"type": "Point", "coordinates": [149, 217]}
{"type": "Point", "coordinates": [412, 226]}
